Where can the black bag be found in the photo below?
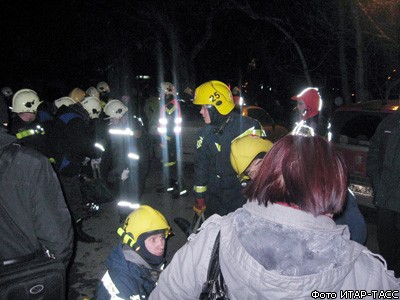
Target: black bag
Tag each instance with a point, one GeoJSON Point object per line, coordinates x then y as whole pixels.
{"type": "Point", "coordinates": [96, 191]}
{"type": "Point", "coordinates": [214, 288]}
{"type": "Point", "coordinates": [33, 276]}
{"type": "Point", "coordinates": [40, 278]}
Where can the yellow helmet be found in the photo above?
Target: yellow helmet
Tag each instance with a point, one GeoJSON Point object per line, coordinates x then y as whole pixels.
{"type": "Point", "coordinates": [245, 149]}
{"type": "Point", "coordinates": [77, 94]}
{"type": "Point", "coordinates": [142, 220]}
{"type": "Point", "coordinates": [215, 93]}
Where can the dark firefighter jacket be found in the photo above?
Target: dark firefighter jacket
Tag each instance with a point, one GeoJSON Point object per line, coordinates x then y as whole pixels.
{"type": "Point", "coordinates": [128, 276]}
{"type": "Point", "coordinates": [31, 134]}
{"type": "Point", "coordinates": [32, 197]}
{"type": "Point", "coordinates": [215, 180]}
{"type": "Point", "coordinates": [72, 139]}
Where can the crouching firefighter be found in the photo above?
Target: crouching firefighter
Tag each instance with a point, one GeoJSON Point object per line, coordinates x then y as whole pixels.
{"type": "Point", "coordinates": [134, 265]}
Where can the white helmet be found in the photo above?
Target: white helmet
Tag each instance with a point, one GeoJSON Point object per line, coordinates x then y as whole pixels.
{"type": "Point", "coordinates": [167, 88]}
{"type": "Point", "coordinates": [7, 91]}
{"type": "Point", "coordinates": [92, 92]}
{"type": "Point", "coordinates": [67, 101]}
{"type": "Point", "coordinates": [92, 106]}
{"type": "Point", "coordinates": [115, 109]}
{"type": "Point", "coordinates": [103, 87]}
{"type": "Point", "coordinates": [25, 100]}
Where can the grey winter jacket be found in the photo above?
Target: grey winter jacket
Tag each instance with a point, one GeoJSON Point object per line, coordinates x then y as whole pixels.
{"type": "Point", "coordinates": [275, 252]}
{"type": "Point", "coordinates": [32, 197]}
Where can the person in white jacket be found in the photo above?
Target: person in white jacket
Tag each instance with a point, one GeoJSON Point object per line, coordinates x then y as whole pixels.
{"type": "Point", "coordinates": [283, 243]}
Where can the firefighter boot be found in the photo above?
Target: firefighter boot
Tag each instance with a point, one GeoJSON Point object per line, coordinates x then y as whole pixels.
{"type": "Point", "coordinates": [81, 236]}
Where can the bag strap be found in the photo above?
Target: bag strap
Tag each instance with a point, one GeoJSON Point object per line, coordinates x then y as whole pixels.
{"type": "Point", "coordinates": [214, 287]}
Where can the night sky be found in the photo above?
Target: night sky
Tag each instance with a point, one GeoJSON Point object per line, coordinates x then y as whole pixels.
{"type": "Point", "coordinates": [53, 46]}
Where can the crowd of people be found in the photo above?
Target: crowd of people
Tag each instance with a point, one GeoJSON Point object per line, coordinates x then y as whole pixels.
{"type": "Point", "coordinates": [280, 219]}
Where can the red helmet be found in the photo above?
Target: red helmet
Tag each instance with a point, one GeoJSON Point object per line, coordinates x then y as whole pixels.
{"type": "Point", "coordinates": [312, 101]}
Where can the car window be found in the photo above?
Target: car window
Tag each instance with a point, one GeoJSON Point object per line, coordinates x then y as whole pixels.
{"type": "Point", "coordinates": [355, 127]}
{"type": "Point", "coordinates": [261, 115]}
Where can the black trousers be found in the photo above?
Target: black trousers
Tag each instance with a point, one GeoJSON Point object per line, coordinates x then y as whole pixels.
{"type": "Point", "coordinates": [71, 187]}
{"type": "Point", "coordinates": [388, 234]}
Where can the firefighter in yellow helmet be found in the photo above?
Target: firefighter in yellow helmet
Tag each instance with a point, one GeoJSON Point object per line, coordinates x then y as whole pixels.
{"type": "Point", "coordinates": [246, 155]}
{"type": "Point", "coordinates": [215, 182]}
{"type": "Point", "coordinates": [136, 262]}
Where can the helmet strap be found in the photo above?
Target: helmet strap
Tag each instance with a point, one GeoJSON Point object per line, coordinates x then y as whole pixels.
{"type": "Point", "coordinates": [128, 239]}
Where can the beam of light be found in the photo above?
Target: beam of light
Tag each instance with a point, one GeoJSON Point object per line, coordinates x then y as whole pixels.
{"type": "Point", "coordinates": [126, 131]}
{"type": "Point", "coordinates": [133, 156]}
{"type": "Point", "coordinates": [100, 146]}
{"type": "Point", "coordinates": [131, 205]}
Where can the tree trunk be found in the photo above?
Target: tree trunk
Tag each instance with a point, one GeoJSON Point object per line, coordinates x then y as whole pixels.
{"type": "Point", "coordinates": [342, 54]}
{"type": "Point", "coordinates": [359, 70]}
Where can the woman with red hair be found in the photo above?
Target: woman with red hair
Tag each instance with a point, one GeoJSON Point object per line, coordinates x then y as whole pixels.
{"type": "Point", "coordinates": [283, 243]}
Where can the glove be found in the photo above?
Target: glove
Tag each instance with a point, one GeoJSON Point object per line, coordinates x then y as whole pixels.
{"type": "Point", "coordinates": [96, 161]}
{"type": "Point", "coordinates": [124, 174]}
{"type": "Point", "coordinates": [199, 206]}
{"type": "Point", "coordinates": [85, 162]}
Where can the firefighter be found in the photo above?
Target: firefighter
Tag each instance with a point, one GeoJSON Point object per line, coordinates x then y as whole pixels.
{"type": "Point", "coordinates": [215, 182]}
{"type": "Point", "coordinates": [24, 123]}
{"type": "Point", "coordinates": [308, 107]}
{"type": "Point", "coordinates": [73, 141]}
{"type": "Point", "coordinates": [246, 155]}
{"type": "Point", "coordinates": [127, 156]}
{"type": "Point", "coordinates": [104, 92]}
{"type": "Point", "coordinates": [134, 265]}
{"type": "Point", "coordinates": [169, 128]}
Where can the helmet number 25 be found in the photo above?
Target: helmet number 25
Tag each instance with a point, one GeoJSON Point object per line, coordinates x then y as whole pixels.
{"type": "Point", "coordinates": [214, 97]}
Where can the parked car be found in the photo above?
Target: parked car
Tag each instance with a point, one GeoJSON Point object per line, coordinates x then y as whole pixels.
{"type": "Point", "coordinates": [352, 128]}
{"type": "Point", "coordinates": [192, 121]}
{"type": "Point", "coordinates": [273, 131]}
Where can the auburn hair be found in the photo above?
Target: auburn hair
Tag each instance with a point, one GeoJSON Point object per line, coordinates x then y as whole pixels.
{"type": "Point", "coordinates": [305, 171]}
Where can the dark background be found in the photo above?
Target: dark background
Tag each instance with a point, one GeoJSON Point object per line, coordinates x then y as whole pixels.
{"type": "Point", "coordinates": [54, 46]}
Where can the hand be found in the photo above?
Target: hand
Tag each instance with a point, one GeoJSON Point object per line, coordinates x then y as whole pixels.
{"type": "Point", "coordinates": [199, 206]}
{"type": "Point", "coordinates": [125, 174]}
{"type": "Point", "coordinates": [96, 161]}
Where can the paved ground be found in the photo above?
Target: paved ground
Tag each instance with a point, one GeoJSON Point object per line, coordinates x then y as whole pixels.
{"type": "Point", "coordinates": [88, 266]}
